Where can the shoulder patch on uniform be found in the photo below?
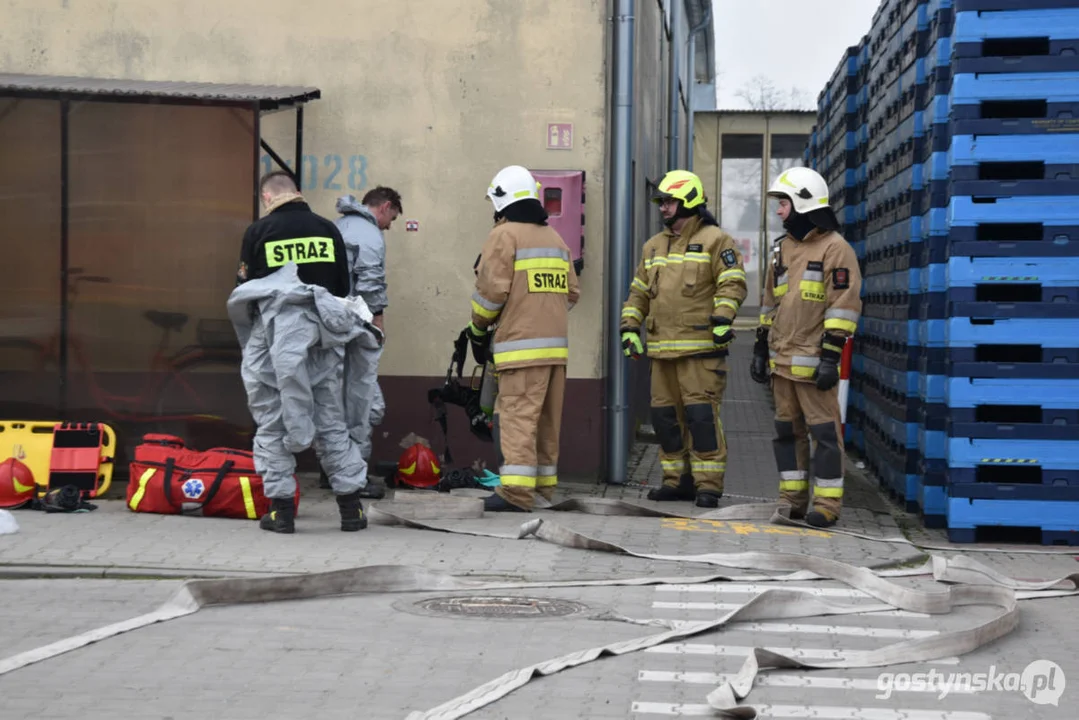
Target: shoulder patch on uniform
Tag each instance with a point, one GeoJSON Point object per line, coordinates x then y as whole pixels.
{"type": "Point", "coordinates": [841, 278]}
{"type": "Point", "coordinates": [695, 247]}
{"type": "Point", "coordinates": [730, 258]}
{"type": "Point", "coordinates": [815, 266]}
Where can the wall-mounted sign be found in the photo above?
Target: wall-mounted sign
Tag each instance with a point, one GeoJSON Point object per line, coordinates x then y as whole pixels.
{"type": "Point", "coordinates": [412, 225]}
{"type": "Point", "coordinates": [559, 136]}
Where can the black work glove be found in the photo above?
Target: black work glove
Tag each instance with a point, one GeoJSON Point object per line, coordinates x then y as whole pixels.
{"type": "Point", "coordinates": [831, 352]}
{"type": "Point", "coordinates": [480, 340]}
{"type": "Point", "coordinates": [758, 367]}
{"type": "Point", "coordinates": [722, 335]}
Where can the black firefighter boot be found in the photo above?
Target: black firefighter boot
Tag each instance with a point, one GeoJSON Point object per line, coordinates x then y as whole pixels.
{"type": "Point", "coordinates": [281, 518]}
{"type": "Point", "coordinates": [686, 490]}
{"type": "Point", "coordinates": [351, 509]}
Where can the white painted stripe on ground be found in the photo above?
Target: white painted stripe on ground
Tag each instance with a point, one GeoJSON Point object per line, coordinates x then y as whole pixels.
{"type": "Point", "coordinates": [744, 650]}
{"type": "Point", "coordinates": [791, 681]}
{"type": "Point", "coordinates": [852, 630]}
{"type": "Point", "coordinates": [756, 588]}
{"type": "Point", "coordinates": [814, 711]}
{"type": "Point", "coordinates": [727, 607]}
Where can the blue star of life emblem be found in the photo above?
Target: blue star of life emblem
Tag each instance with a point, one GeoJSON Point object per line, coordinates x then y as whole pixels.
{"type": "Point", "coordinates": [193, 488]}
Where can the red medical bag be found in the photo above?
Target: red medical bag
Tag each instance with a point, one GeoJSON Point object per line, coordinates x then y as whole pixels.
{"type": "Point", "coordinates": [171, 479]}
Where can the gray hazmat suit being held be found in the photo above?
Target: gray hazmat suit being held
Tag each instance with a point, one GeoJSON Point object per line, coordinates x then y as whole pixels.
{"type": "Point", "coordinates": [366, 249]}
{"type": "Point", "coordinates": [295, 338]}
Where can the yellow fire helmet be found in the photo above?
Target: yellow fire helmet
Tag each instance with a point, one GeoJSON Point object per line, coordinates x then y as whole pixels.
{"type": "Point", "coordinates": [680, 185]}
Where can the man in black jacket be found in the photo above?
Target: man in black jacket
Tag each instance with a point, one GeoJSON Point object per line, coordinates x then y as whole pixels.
{"type": "Point", "coordinates": [292, 231]}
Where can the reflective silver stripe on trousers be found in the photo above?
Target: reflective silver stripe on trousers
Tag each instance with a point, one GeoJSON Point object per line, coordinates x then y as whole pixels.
{"type": "Point", "coordinates": [525, 470]}
{"type": "Point", "coordinates": [485, 303]}
{"type": "Point", "coordinates": [546, 470]}
{"type": "Point", "coordinates": [813, 276]}
{"type": "Point", "coordinates": [828, 482]}
{"type": "Point", "coordinates": [841, 315]}
{"type": "Point", "coordinates": [529, 253]}
{"type": "Point", "coordinates": [533, 344]}
{"type": "Point", "coordinates": [805, 361]}
{"type": "Point", "coordinates": [765, 309]}
{"type": "Point", "coordinates": [792, 475]}
{"type": "Point", "coordinates": [971, 583]}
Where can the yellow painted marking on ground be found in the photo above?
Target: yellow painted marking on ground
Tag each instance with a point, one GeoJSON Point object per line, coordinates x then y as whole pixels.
{"type": "Point", "coordinates": [738, 528]}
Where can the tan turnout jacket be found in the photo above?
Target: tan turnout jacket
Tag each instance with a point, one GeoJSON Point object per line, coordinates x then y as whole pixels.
{"type": "Point", "coordinates": [811, 286]}
{"type": "Point", "coordinates": [525, 281]}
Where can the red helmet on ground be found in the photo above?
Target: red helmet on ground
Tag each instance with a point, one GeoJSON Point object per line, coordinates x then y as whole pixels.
{"type": "Point", "coordinates": [16, 484]}
{"type": "Point", "coordinates": [418, 467]}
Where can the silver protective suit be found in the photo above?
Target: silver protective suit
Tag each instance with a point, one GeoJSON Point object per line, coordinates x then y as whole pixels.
{"type": "Point", "coordinates": [295, 339]}
{"type": "Point", "coordinates": [366, 248]}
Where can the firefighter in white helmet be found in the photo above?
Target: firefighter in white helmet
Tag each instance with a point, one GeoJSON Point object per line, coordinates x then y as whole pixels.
{"type": "Point", "coordinates": [526, 284]}
{"type": "Point", "coordinates": [686, 292]}
{"type": "Point", "coordinates": [811, 305]}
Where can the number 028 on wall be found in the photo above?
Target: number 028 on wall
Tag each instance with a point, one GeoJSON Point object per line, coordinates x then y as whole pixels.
{"type": "Point", "coordinates": [336, 172]}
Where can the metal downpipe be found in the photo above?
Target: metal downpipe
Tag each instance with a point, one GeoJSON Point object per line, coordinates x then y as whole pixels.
{"type": "Point", "coordinates": [620, 242]}
{"type": "Point", "coordinates": [677, 11]}
{"type": "Point", "coordinates": [691, 73]}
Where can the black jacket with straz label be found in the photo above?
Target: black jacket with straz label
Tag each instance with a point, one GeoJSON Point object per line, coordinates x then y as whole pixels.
{"type": "Point", "coordinates": [294, 233]}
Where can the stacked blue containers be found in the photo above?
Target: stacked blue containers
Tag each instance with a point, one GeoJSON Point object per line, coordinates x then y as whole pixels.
{"type": "Point", "coordinates": [1000, 441]}
{"type": "Point", "coordinates": [838, 149]}
{"type": "Point", "coordinates": [968, 352]}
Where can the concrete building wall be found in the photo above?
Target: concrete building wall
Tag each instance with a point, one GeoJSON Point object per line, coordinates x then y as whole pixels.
{"type": "Point", "coordinates": [430, 98]}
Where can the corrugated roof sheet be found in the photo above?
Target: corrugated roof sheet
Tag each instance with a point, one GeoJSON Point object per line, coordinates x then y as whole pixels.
{"type": "Point", "coordinates": [268, 96]}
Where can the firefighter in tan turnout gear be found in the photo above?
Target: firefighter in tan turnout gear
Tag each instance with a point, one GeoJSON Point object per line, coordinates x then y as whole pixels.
{"type": "Point", "coordinates": [526, 283]}
{"type": "Point", "coordinates": [811, 306]}
{"type": "Point", "coordinates": [686, 292]}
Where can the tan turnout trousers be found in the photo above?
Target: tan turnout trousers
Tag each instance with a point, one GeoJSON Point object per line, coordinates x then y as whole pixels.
{"type": "Point", "coordinates": [529, 408]}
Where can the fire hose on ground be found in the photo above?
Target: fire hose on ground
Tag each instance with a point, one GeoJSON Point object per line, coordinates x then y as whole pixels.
{"type": "Point", "coordinates": [970, 583]}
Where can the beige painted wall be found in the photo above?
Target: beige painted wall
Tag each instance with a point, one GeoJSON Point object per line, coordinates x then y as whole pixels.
{"type": "Point", "coordinates": [431, 98]}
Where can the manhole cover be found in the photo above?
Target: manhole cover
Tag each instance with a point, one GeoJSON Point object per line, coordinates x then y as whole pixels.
{"type": "Point", "coordinates": [516, 607]}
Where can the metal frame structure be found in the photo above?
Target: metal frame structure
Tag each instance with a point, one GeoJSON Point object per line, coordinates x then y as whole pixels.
{"type": "Point", "coordinates": [261, 99]}
{"type": "Point", "coordinates": [765, 123]}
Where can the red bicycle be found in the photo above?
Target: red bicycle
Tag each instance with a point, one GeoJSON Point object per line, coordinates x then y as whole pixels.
{"type": "Point", "coordinates": [197, 385]}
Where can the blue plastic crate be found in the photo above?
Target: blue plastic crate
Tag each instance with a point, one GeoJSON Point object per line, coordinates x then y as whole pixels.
{"type": "Point", "coordinates": [998, 5]}
{"type": "Point", "coordinates": [971, 89]}
{"type": "Point", "coordinates": [1045, 272]}
{"type": "Point", "coordinates": [1001, 491]}
{"type": "Point", "coordinates": [933, 506]}
{"type": "Point", "coordinates": [903, 382]}
{"type": "Point", "coordinates": [1061, 303]}
{"type": "Point", "coordinates": [961, 392]}
{"type": "Point", "coordinates": [905, 332]}
{"type": "Point", "coordinates": [1011, 240]}
{"type": "Point", "coordinates": [1049, 454]}
{"type": "Point", "coordinates": [971, 212]}
{"type": "Point", "coordinates": [971, 332]}
{"type": "Point", "coordinates": [1052, 522]}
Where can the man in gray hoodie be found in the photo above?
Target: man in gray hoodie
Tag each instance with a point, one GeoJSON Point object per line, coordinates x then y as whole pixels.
{"type": "Point", "coordinates": [362, 224]}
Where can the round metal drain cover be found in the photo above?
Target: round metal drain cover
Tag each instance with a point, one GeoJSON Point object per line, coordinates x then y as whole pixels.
{"type": "Point", "coordinates": [507, 607]}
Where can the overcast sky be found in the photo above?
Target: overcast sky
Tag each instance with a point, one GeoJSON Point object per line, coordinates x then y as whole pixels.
{"type": "Point", "coordinates": [796, 43]}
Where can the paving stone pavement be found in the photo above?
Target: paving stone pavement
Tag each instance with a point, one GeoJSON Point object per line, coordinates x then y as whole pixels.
{"type": "Point", "coordinates": [381, 657]}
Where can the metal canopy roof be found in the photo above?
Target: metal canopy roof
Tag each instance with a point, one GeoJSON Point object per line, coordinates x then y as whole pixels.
{"type": "Point", "coordinates": [268, 97]}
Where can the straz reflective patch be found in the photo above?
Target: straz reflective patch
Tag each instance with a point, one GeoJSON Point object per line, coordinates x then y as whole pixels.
{"type": "Point", "coordinates": [550, 281]}
{"type": "Point", "coordinates": [813, 291]}
{"type": "Point", "coordinates": [299, 251]}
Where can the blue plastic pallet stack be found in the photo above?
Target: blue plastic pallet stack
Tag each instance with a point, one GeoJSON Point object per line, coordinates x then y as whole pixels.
{"type": "Point", "coordinates": [968, 351]}
{"type": "Point", "coordinates": [838, 149]}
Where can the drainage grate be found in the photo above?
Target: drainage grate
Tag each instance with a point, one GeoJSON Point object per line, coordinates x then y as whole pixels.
{"type": "Point", "coordinates": [511, 607]}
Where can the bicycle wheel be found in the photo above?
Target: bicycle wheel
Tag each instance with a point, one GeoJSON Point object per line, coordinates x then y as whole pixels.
{"type": "Point", "coordinates": [204, 402]}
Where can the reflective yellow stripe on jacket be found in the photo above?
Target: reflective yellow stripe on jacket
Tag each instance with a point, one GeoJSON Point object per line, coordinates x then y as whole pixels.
{"type": "Point", "coordinates": [534, 349]}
